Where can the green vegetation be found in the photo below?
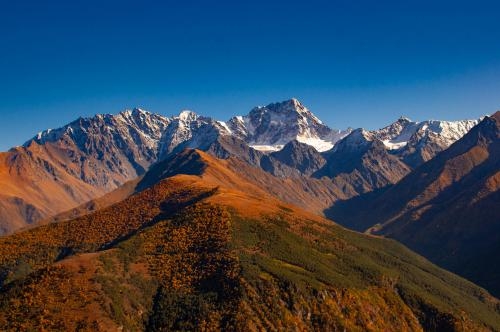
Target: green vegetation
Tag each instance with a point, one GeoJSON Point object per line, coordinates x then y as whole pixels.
{"type": "Point", "coordinates": [318, 257]}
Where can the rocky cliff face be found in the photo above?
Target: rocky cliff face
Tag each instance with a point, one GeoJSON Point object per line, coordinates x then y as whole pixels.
{"type": "Point", "coordinates": [106, 150]}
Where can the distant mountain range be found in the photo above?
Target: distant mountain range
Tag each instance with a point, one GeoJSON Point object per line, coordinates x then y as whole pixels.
{"type": "Point", "coordinates": [92, 156]}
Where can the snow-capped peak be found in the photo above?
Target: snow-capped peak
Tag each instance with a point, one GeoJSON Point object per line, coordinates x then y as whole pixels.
{"type": "Point", "coordinates": [133, 125]}
{"type": "Point", "coordinates": [444, 133]}
{"type": "Point", "coordinates": [269, 128]}
{"type": "Point", "coordinates": [187, 115]}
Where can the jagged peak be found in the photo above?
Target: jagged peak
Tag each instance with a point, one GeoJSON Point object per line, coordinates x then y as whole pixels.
{"type": "Point", "coordinates": [286, 105]}
{"type": "Point", "coordinates": [136, 111]}
{"type": "Point", "coordinates": [294, 102]}
{"type": "Point", "coordinates": [125, 113]}
{"type": "Point", "coordinates": [187, 115]}
{"type": "Point", "coordinates": [292, 107]}
{"type": "Point", "coordinates": [136, 117]}
{"type": "Point", "coordinates": [361, 133]}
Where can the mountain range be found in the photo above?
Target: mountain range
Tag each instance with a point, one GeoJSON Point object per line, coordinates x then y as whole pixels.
{"type": "Point", "coordinates": [137, 221]}
{"type": "Point", "coordinates": [92, 156]}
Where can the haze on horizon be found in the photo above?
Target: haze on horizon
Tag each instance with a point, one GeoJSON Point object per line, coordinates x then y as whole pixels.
{"type": "Point", "coordinates": [357, 64]}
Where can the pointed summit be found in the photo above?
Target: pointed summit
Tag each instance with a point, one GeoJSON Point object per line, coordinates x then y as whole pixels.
{"type": "Point", "coordinates": [269, 128]}
{"type": "Point", "coordinates": [187, 115]}
{"type": "Point", "coordinates": [138, 111]}
{"type": "Point", "coordinates": [290, 106]}
{"type": "Point", "coordinates": [404, 119]}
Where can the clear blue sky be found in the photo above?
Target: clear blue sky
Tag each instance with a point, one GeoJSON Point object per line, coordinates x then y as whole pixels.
{"type": "Point", "coordinates": [353, 63]}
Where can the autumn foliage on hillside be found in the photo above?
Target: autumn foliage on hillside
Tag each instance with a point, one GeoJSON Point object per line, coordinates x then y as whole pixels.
{"type": "Point", "coordinates": [39, 247]}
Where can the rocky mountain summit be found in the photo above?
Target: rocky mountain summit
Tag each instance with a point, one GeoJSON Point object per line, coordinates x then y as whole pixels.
{"type": "Point", "coordinates": [271, 127]}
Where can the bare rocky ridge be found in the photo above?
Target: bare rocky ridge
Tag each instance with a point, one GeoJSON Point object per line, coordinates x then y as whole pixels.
{"type": "Point", "coordinates": [295, 159]}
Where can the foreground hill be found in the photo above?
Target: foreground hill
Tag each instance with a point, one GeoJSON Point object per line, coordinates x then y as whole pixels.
{"type": "Point", "coordinates": [447, 209]}
{"type": "Point", "coordinates": [198, 247]}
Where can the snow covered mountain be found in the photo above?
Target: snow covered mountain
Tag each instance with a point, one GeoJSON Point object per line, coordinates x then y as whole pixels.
{"type": "Point", "coordinates": [269, 128]}
{"type": "Point", "coordinates": [137, 125]}
{"type": "Point", "coordinates": [190, 130]}
{"type": "Point", "coordinates": [412, 142]}
{"type": "Point", "coordinates": [98, 148]}
{"type": "Point", "coordinates": [404, 131]}
{"type": "Point", "coordinates": [265, 128]}
{"type": "Point", "coordinates": [417, 142]}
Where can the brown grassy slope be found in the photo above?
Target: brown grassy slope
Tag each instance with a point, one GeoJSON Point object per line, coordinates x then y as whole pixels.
{"type": "Point", "coordinates": [311, 194]}
{"type": "Point", "coordinates": [213, 251]}
{"type": "Point", "coordinates": [34, 186]}
{"type": "Point", "coordinates": [99, 203]}
{"type": "Point", "coordinates": [308, 193]}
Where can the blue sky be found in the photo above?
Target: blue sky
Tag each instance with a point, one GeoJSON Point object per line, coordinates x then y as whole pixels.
{"type": "Point", "coordinates": [353, 63]}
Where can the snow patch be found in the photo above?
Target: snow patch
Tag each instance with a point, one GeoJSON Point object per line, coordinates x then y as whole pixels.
{"type": "Point", "coordinates": [267, 148]}
{"type": "Point", "coordinates": [225, 126]}
{"type": "Point", "coordinates": [319, 144]}
{"type": "Point", "coordinates": [394, 146]}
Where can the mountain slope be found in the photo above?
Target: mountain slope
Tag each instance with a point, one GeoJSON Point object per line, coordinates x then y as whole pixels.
{"type": "Point", "coordinates": [447, 209]}
{"type": "Point", "coordinates": [366, 161]}
{"type": "Point", "coordinates": [360, 163]}
{"type": "Point", "coordinates": [294, 159]}
{"type": "Point", "coordinates": [63, 168]}
{"type": "Point", "coordinates": [200, 248]}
